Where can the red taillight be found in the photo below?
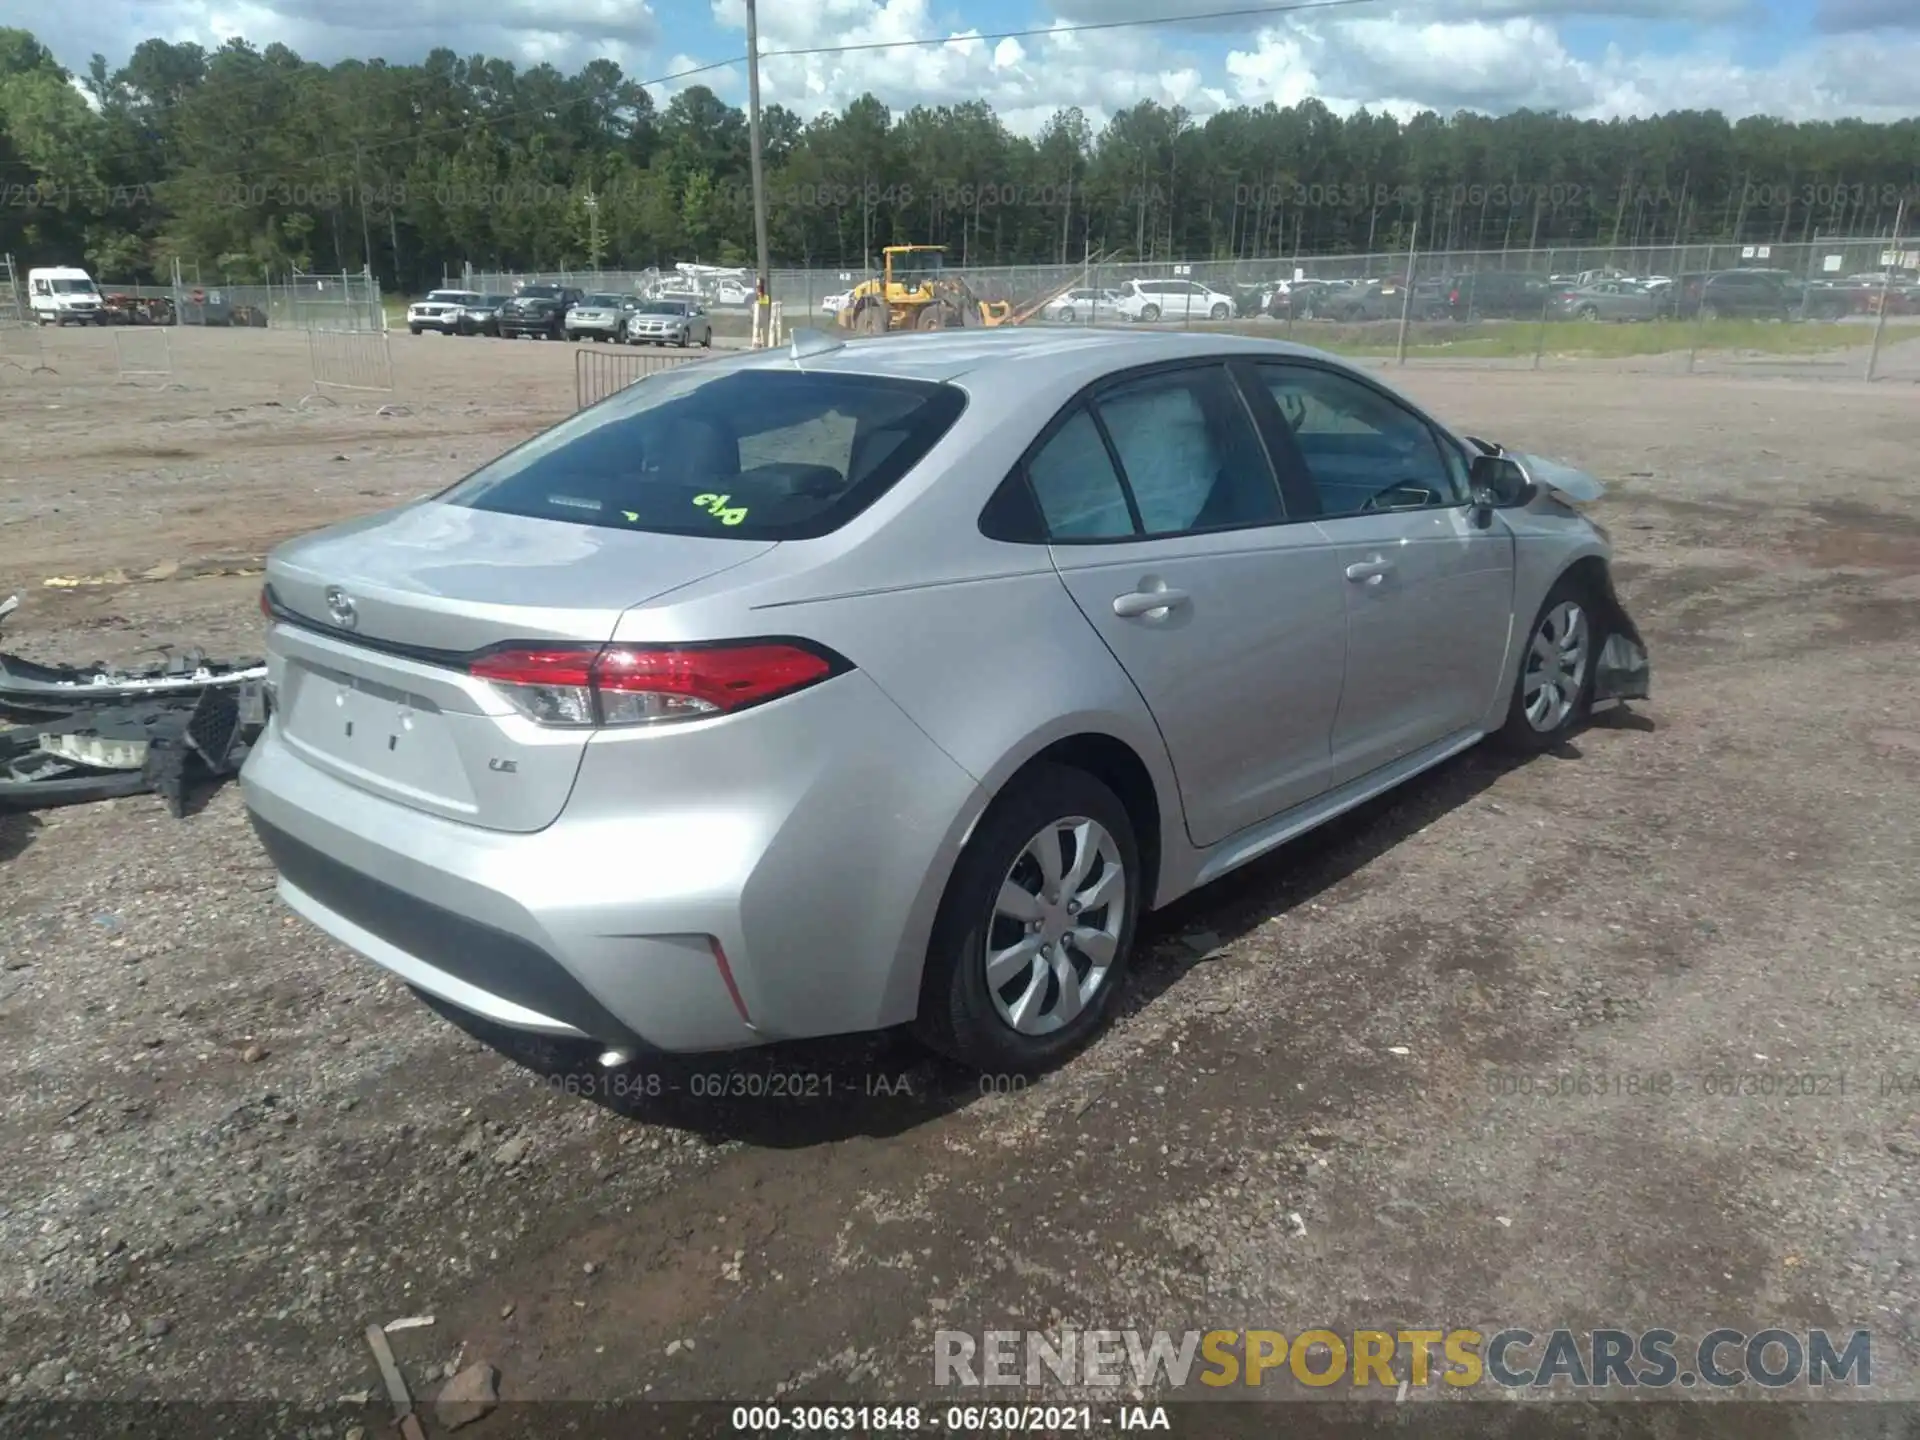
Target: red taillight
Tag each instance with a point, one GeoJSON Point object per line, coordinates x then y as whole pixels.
{"type": "Point", "coordinates": [644, 685]}
{"type": "Point", "coordinates": [1453, 298]}
{"type": "Point", "coordinates": [266, 602]}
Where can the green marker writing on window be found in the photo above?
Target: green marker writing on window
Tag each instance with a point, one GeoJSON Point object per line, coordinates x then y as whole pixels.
{"type": "Point", "coordinates": [716, 505]}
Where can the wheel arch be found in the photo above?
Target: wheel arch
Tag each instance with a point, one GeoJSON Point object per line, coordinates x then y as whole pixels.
{"type": "Point", "coordinates": [1115, 763]}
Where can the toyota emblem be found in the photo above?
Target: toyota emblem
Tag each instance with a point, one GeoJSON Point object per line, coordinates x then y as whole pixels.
{"type": "Point", "coordinates": [340, 607]}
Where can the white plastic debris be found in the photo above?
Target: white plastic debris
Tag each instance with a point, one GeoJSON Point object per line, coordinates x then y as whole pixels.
{"type": "Point", "coordinates": [409, 1322]}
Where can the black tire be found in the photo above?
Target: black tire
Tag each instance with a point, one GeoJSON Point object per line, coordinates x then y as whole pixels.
{"type": "Point", "coordinates": [1149, 314]}
{"type": "Point", "coordinates": [706, 341]}
{"type": "Point", "coordinates": [957, 1016]}
{"type": "Point", "coordinates": [1586, 312]}
{"type": "Point", "coordinates": [1219, 312]}
{"type": "Point", "coordinates": [1065, 317]}
{"type": "Point", "coordinates": [1519, 735]}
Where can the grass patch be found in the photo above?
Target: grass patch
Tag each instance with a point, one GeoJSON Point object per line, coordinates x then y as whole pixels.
{"type": "Point", "coordinates": [1514, 340]}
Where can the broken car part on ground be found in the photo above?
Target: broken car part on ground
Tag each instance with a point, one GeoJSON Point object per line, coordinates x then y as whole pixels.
{"type": "Point", "coordinates": [71, 734]}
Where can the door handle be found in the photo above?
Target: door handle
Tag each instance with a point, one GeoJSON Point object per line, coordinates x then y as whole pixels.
{"type": "Point", "coordinates": [1147, 602]}
{"type": "Point", "coordinates": [1370, 572]}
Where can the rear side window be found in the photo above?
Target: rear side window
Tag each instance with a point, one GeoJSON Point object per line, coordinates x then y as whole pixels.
{"type": "Point", "coordinates": [749, 454]}
{"type": "Point", "coordinates": [1189, 453]}
{"type": "Point", "coordinates": [1074, 482]}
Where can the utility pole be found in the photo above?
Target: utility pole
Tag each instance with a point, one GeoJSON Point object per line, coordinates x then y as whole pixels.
{"type": "Point", "coordinates": [592, 203]}
{"type": "Point", "coordinates": [366, 234]}
{"type": "Point", "coordinates": [763, 299]}
{"type": "Point", "coordinates": [1894, 257]}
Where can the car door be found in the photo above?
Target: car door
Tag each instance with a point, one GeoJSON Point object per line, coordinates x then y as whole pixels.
{"type": "Point", "coordinates": [1167, 527]}
{"type": "Point", "coordinates": [1429, 592]}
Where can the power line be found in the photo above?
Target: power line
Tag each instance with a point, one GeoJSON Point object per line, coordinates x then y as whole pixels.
{"type": "Point", "coordinates": [1042, 32]}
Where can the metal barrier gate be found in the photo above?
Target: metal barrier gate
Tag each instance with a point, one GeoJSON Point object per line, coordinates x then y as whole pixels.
{"type": "Point", "coordinates": [353, 361]}
{"type": "Point", "coordinates": [599, 371]}
{"type": "Point", "coordinates": [145, 354]}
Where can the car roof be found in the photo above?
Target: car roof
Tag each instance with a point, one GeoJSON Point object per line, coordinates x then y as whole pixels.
{"type": "Point", "coordinates": [945, 355]}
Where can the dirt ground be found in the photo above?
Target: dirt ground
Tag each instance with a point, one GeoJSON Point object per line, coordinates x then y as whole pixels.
{"type": "Point", "coordinates": [230, 1145]}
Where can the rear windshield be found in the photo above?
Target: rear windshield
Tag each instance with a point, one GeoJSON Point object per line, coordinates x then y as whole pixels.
{"type": "Point", "coordinates": [540, 292]}
{"type": "Point", "coordinates": [750, 454]}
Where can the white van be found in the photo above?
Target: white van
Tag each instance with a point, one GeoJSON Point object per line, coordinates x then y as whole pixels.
{"type": "Point", "coordinates": [64, 295]}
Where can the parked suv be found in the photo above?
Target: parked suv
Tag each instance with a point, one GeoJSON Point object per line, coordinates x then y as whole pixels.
{"type": "Point", "coordinates": [1743, 294]}
{"type": "Point", "coordinates": [539, 311]}
{"type": "Point", "coordinates": [442, 310]}
{"type": "Point", "coordinates": [1495, 295]}
{"type": "Point", "coordinates": [1151, 300]}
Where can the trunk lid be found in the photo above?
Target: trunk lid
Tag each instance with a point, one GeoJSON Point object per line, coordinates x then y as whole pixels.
{"type": "Point", "coordinates": [370, 680]}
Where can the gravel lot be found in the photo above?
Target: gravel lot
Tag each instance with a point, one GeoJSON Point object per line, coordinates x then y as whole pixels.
{"type": "Point", "coordinates": [231, 1145]}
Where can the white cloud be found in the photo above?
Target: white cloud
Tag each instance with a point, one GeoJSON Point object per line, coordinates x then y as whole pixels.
{"type": "Point", "coordinates": [1401, 56]}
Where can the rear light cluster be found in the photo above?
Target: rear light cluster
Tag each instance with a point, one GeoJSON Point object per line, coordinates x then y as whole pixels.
{"type": "Point", "coordinates": [624, 685]}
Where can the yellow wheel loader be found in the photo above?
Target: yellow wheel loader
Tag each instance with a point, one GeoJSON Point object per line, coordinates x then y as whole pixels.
{"type": "Point", "coordinates": [914, 291]}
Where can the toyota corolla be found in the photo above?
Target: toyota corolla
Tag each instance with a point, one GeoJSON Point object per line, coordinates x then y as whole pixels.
{"type": "Point", "coordinates": [844, 686]}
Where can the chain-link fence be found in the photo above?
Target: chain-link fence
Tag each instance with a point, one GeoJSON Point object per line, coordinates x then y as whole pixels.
{"type": "Point", "coordinates": [1835, 302]}
{"type": "Point", "coordinates": [301, 302]}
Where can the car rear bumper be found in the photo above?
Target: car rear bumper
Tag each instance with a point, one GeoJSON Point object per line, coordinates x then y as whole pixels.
{"type": "Point", "coordinates": [813, 851]}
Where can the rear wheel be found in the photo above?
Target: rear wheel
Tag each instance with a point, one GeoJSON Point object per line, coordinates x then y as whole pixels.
{"type": "Point", "coordinates": [1150, 313]}
{"type": "Point", "coordinates": [1554, 690]}
{"type": "Point", "coordinates": [870, 320]}
{"type": "Point", "coordinates": [1586, 312]}
{"type": "Point", "coordinates": [1036, 929]}
{"type": "Point", "coordinates": [1066, 315]}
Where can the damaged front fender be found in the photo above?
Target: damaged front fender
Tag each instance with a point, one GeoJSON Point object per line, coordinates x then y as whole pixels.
{"type": "Point", "coordinates": [1623, 671]}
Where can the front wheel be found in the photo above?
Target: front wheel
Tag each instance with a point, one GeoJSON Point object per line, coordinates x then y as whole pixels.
{"type": "Point", "coordinates": [1554, 690]}
{"type": "Point", "coordinates": [1586, 312]}
{"type": "Point", "coordinates": [1034, 934]}
{"type": "Point", "coordinates": [1150, 314]}
{"type": "Point", "coordinates": [1219, 312]}
{"type": "Point", "coordinates": [1066, 316]}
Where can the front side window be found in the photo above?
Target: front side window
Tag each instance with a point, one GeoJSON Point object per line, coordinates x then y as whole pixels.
{"type": "Point", "coordinates": [750, 454]}
{"type": "Point", "coordinates": [1363, 452]}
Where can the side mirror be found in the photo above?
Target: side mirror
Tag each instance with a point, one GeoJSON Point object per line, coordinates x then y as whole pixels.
{"type": "Point", "coordinates": [1500, 482]}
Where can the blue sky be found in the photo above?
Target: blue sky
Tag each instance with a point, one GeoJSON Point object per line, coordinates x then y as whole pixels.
{"type": "Point", "coordinates": [1800, 58]}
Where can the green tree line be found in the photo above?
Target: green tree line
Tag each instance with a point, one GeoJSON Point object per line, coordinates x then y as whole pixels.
{"type": "Point", "coordinates": [249, 162]}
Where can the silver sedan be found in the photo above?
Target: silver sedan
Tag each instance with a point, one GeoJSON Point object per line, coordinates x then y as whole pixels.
{"type": "Point", "coordinates": [851, 685]}
{"type": "Point", "coordinates": [1607, 300]}
{"type": "Point", "coordinates": [669, 322]}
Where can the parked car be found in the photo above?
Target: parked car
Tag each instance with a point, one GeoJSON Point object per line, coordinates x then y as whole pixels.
{"type": "Point", "coordinates": [482, 317]}
{"type": "Point", "coordinates": [834, 304]}
{"type": "Point", "coordinates": [539, 311]}
{"type": "Point", "coordinates": [1148, 301]}
{"type": "Point", "coordinates": [442, 310]}
{"type": "Point", "coordinates": [669, 322]}
{"type": "Point", "coordinates": [1080, 305]}
{"type": "Point", "coordinates": [1737, 294]}
{"type": "Point", "coordinates": [1305, 299]}
{"type": "Point", "coordinates": [1368, 300]}
{"type": "Point", "coordinates": [601, 316]}
{"type": "Point", "coordinates": [685, 725]}
{"type": "Point", "coordinates": [1495, 295]}
{"type": "Point", "coordinates": [1607, 300]}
